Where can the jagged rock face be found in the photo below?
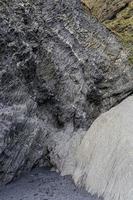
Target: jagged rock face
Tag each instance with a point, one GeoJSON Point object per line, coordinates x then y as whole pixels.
{"type": "Point", "coordinates": [59, 69]}
{"type": "Point", "coordinates": [117, 16]}
{"type": "Point", "coordinates": [106, 9]}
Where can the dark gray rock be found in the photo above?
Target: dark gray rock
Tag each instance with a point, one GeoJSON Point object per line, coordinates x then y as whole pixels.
{"type": "Point", "coordinates": [59, 68]}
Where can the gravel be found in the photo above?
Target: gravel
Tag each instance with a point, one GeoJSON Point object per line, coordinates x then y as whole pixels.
{"type": "Point", "coordinates": [43, 184]}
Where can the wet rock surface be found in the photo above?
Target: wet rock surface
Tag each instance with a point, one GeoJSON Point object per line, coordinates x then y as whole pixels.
{"type": "Point", "coordinates": [59, 69]}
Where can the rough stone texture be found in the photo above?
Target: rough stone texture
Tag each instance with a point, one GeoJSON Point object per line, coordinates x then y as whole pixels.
{"type": "Point", "coordinates": [59, 69]}
{"type": "Point", "coordinates": [106, 9]}
{"type": "Point", "coordinates": [122, 25]}
{"type": "Point", "coordinates": [117, 15]}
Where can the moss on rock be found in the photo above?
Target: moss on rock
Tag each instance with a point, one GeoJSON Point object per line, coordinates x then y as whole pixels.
{"type": "Point", "coordinates": [116, 15]}
{"type": "Point", "coordinates": [122, 26]}
{"type": "Point", "coordinates": [105, 9]}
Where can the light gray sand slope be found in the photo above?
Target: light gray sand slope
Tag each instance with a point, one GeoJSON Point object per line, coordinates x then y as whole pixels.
{"type": "Point", "coordinates": [42, 184]}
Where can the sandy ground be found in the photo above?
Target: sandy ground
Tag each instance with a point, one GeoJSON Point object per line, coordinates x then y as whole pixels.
{"type": "Point", "coordinates": [42, 184]}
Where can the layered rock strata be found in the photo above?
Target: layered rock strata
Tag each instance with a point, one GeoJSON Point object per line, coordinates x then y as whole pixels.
{"type": "Point", "coordinates": [59, 70]}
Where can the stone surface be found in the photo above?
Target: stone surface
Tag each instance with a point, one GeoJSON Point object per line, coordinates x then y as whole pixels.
{"type": "Point", "coordinates": [106, 9]}
{"type": "Point", "coordinates": [105, 156]}
{"type": "Point", "coordinates": [122, 25]}
{"type": "Point", "coordinates": [59, 69]}
{"type": "Point", "coordinates": [117, 16]}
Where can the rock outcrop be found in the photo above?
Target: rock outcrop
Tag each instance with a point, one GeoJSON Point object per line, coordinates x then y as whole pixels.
{"type": "Point", "coordinates": [105, 156]}
{"type": "Point", "coordinates": [117, 16]}
{"type": "Point", "coordinates": [59, 69]}
{"type": "Point", "coordinates": [106, 9]}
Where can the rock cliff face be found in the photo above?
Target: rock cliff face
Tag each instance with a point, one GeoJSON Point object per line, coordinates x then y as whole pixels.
{"type": "Point", "coordinates": [117, 16]}
{"type": "Point", "coordinates": [106, 9]}
{"type": "Point", "coordinates": [59, 69]}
